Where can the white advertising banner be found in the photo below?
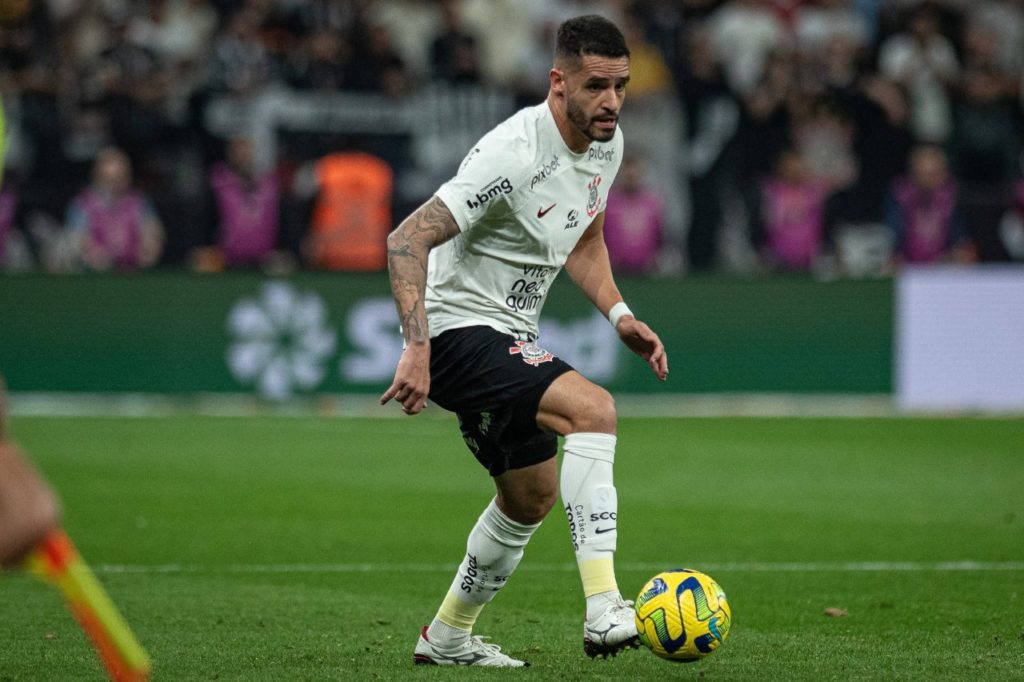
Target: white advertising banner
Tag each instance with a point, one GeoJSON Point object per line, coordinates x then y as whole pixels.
{"type": "Point", "coordinates": [960, 338]}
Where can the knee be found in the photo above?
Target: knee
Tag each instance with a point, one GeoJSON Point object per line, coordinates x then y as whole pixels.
{"type": "Point", "coordinates": [574, 405]}
{"type": "Point", "coordinates": [530, 508]}
{"type": "Point", "coordinates": [538, 508]}
{"type": "Point", "coordinates": [595, 412]}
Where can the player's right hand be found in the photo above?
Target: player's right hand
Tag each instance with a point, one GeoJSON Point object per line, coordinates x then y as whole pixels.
{"type": "Point", "coordinates": [412, 379]}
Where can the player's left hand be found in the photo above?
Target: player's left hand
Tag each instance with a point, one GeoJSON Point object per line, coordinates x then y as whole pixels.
{"type": "Point", "coordinates": [645, 343]}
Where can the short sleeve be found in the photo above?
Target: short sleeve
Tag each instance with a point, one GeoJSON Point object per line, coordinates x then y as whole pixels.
{"type": "Point", "coordinates": [486, 178]}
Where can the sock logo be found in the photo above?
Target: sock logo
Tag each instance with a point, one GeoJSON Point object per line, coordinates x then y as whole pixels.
{"type": "Point", "coordinates": [577, 530]}
{"type": "Point", "coordinates": [468, 579]}
{"type": "Point", "coordinates": [603, 516]}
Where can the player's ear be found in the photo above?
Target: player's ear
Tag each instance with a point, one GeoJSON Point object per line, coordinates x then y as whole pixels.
{"type": "Point", "coordinates": [556, 78]}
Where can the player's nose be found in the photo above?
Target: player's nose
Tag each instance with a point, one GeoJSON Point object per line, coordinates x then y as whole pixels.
{"type": "Point", "coordinates": [610, 102]}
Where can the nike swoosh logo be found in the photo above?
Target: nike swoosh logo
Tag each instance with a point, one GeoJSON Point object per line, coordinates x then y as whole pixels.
{"type": "Point", "coordinates": [541, 212]}
{"type": "Point", "coordinates": [604, 530]}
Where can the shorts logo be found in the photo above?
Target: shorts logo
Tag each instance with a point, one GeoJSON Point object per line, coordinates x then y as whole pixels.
{"type": "Point", "coordinates": [594, 200]}
{"type": "Point", "coordinates": [532, 353]}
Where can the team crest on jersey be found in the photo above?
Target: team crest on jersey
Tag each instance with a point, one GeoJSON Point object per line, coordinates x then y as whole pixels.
{"type": "Point", "coordinates": [594, 199]}
{"type": "Point", "coordinates": [532, 354]}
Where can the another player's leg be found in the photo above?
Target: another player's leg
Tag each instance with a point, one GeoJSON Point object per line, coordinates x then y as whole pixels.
{"type": "Point", "coordinates": [585, 414]}
{"type": "Point", "coordinates": [494, 549]}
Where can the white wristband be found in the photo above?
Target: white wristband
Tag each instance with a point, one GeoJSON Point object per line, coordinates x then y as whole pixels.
{"type": "Point", "coordinates": [616, 313]}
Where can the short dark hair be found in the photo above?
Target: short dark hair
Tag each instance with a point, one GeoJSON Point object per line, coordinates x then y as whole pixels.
{"type": "Point", "coordinates": [590, 34]}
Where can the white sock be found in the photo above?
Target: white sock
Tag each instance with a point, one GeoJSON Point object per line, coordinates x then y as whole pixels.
{"type": "Point", "coordinates": [494, 549]}
{"type": "Point", "coordinates": [446, 636]}
{"type": "Point", "coordinates": [591, 507]}
{"type": "Point", "coordinates": [599, 603]}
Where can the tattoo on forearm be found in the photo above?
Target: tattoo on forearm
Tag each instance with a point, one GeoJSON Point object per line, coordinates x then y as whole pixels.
{"type": "Point", "coordinates": [408, 249]}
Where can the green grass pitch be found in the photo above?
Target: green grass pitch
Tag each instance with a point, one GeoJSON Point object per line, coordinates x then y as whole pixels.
{"type": "Point", "coordinates": [312, 548]}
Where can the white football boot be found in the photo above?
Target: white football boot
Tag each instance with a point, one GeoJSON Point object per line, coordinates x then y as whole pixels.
{"type": "Point", "coordinates": [474, 651]}
{"type": "Point", "coordinates": [612, 631]}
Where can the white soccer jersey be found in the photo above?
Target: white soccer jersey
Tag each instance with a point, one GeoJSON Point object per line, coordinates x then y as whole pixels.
{"type": "Point", "coordinates": [522, 199]}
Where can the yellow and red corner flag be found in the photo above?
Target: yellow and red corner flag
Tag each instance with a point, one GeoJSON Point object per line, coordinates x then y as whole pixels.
{"type": "Point", "coordinates": [56, 560]}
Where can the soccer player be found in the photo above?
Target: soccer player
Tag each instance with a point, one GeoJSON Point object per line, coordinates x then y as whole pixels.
{"type": "Point", "coordinates": [470, 270]}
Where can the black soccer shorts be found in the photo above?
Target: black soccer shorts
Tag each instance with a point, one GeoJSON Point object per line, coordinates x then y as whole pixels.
{"type": "Point", "coordinates": [494, 384]}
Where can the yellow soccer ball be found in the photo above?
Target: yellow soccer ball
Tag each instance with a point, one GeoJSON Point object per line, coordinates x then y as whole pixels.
{"type": "Point", "coordinates": [682, 615]}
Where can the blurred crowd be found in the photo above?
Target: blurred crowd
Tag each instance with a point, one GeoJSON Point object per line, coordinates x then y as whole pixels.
{"type": "Point", "coordinates": [840, 137]}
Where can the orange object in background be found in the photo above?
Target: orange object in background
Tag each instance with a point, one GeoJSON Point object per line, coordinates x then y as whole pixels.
{"type": "Point", "coordinates": [352, 216]}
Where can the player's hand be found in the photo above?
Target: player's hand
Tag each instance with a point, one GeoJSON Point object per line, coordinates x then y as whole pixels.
{"type": "Point", "coordinates": [645, 343]}
{"type": "Point", "coordinates": [28, 506]}
{"type": "Point", "coordinates": [412, 379]}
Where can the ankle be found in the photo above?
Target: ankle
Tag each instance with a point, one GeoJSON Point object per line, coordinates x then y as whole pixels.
{"type": "Point", "coordinates": [599, 603]}
{"type": "Point", "coordinates": [445, 636]}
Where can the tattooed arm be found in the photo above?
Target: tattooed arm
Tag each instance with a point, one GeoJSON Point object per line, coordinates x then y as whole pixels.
{"type": "Point", "coordinates": [409, 245]}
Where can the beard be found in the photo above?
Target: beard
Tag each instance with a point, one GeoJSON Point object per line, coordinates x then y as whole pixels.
{"type": "Point", "coordinates": [586, 125]}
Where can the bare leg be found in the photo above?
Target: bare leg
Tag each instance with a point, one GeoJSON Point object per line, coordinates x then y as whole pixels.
{"type": "Point", "coordinates": [526, 495]}
{"type": "Point", "coordinates": [574, 404]}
